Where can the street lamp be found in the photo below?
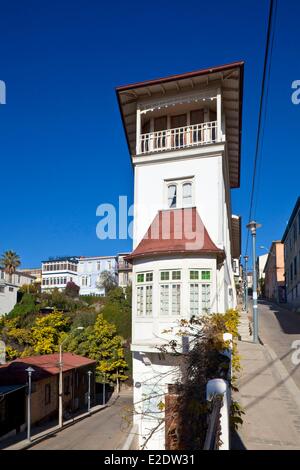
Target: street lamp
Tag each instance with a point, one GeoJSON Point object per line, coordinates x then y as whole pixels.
{"type": "Point", "coordinates": [89, 390]}
{"type": "Point", "coordinates": [252, 226]}
{"type": "Point", "coordinates": [60, 386]}
{"type": "Point", "coordinates": [29, 370]}
{"type": "Point", "coordinates": [246, 282]}
{"type": "Point", "coordinates": [103, 390]}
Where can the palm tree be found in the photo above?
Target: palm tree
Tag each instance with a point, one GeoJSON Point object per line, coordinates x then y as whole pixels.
{"type": "Point", "coordinates": [10, 261]}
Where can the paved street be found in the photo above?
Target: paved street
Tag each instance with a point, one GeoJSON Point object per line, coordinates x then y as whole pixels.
{"type": "Point", "coordinates": [105, 430]}
{"type": "Point", "coordinates": [278, 328]}
{"type": "Point", "coordinates": [269, 384]}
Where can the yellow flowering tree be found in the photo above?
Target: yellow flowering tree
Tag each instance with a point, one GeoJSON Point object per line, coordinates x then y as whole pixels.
{"type": "Point", "coordinates": [47, 331]}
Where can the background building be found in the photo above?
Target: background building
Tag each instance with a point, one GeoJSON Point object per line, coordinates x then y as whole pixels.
{"type": "Point", "coordinates": [261, 263]}
{"type": "Point", "coordinates": [124, 271]}
{"type": "Point", "coordinates": [90, 270]}
{"type": "Point", "coordinates": [274, 273]}
{"type": "Point", "coordinates": [291, 241]}
{"type": "Point", "coordinates": [34, 272]}
{"type": "Point", "coordinates": [44, 398]}
{"type": "Point", "coordinates": [57, 272]}
{"type": "Point", "coordinates": [9, 286]}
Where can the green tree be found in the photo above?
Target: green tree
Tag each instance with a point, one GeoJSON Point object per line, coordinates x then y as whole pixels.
{"type": "Point", "coordinates": [48, 332]}
{"type": "Point", "coordinates": [10, 261]}
{"type": "Point", "coordinates": [101, 343]}
{"type": "Point", "coordinates": [108, 281]}
{"type": "Point", "coordinates": [107, 350]}
{"type": "Point", "coordinates": [26, 306]}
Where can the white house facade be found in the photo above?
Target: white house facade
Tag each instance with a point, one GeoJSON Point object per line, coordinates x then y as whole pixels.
{"type": "Point", "coordinates": [57, 272]}
{"type": "Point", "coordinates": [89, 273]}
{"type": "Point", "coordinates": [9, 286]}
{"type": "Point", "coordinates": [183, 134]}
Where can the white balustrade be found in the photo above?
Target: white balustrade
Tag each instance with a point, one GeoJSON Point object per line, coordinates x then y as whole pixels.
{"type": "Point", "coordinates": [180, 137]}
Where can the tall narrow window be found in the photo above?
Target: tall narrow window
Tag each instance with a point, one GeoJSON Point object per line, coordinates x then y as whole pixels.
{"type": "Point", "coordinates": [140, 300]}
{"type": "Point", "coordinates": [172, 195]}
{"type": "Point", "coordinates": [205, 298]}
{"type": "Point", "coordinates": [187, 194]}
{"type": "Point", "coordinates": [148, 300]}
{"type": "Point", "coordinates": [200, 292]}
{"type": "Point", "coordinates": [194, 299]}
{"type": "Point", "coordinates": [175, 299]}
{"type": "Point", "coordinates": [164, 299]}
{"type": "Point", "coordinates": [144, 291]}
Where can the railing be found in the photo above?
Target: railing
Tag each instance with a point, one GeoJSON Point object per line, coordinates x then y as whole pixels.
{"type": "Point", "coordinates": [180, 137]}
{"type": "Point", "coordinates": [123, 265]}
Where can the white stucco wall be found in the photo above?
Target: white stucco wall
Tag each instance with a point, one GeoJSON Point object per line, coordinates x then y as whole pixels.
{"type": "Point", "coordinates": [8, 298]}
{"type": "Point", "coordinates": [150, 195]}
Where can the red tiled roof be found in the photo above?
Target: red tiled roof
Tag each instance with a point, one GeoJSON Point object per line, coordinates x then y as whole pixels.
{"type": "Point", "coordinates": [44, 366]}
{"type": "Point", "coordinates": [176, 231]}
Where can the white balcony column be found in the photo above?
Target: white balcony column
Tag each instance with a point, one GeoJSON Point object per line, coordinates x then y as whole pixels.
{"type": "Point", "coordinates": [151, 138]}
{"type": "Point", "coordinates": [219, 116]}
{"type": "Point", "coordinates": [188, 131]}
{"type": "Point", "coordinates": [206, 131]}
{"type": "Point", "coordinates": [138, 131]}
{"type": "Point", "coordinates": [168, 133]}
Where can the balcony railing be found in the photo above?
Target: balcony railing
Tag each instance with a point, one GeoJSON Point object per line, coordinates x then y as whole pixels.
{"type": "Point", "coordinates": [180, 137]}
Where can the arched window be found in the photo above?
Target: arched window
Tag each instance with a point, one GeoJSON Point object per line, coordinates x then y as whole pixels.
{"type": "Point", "coordinates": [172, 196]}
{"type": "Point", "coordinates": [187, 194]}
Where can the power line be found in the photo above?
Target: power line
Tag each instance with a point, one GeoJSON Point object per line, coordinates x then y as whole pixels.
{"type": "Point", "coordinates": [265, 79]}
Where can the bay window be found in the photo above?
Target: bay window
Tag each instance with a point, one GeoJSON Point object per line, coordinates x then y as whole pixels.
{"type": "Point", "coordinates": [170, 293]}
{"type": "Point", "coordinates": [200, 291]}
{"type": "Point", "coordinates": [144, 294]}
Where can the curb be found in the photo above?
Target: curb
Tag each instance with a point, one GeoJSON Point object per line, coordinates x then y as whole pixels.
{"type": "Point", "coordinates": [32, 443]}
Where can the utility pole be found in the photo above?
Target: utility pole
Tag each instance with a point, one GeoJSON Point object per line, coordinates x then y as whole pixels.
{"type": "Point", "coordinates": [60, 383]}
{"type": "Point", "coordinates": [60, 389]}
{"type": "Point", "coordinates": [29, 370]}
{"type": "Point", "coordinates": [252, 226]}
{"type": "Point", "coordinates": [89, 390]}
{"type": "Point", "coordinates": [246, 282]}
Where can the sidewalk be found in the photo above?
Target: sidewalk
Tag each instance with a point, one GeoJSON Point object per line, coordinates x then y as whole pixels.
{"type": "Point", "coordinates": [20, 442]}
{"type": "Point", "coordinates": [270, 399]}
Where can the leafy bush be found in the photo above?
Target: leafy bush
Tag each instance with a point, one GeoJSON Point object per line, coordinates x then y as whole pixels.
{"type": "Point", "coordinates": [26, 306]}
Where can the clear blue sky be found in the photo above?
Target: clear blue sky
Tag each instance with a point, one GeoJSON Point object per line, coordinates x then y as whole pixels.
{"type": "Point", "coordinates": [62, 145]}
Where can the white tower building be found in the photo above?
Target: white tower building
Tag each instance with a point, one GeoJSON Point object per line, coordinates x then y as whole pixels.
{"type": "Point", "coordinates": [184, 137]}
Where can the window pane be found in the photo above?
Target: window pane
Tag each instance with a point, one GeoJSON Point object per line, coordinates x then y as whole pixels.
{"type": "Point", "coordinates": [164, 275]}
{"type": "Point", "coordinates": [175, 299]}
{"type": "Point", "coordinates": [172, 195]}
{"type": "Point", "coordinates": [194, 299]}
{"type": "Point", "coordinates": [164, 299]}
{"type": "Point", "coordinates": [187, 194]}
{"type": "Point", "coordinates": [176, 275]}
{"type": "Point", "coordinates": [140, 278]}
{"type": "Point", "coordinates": [149, 277]}
{"type": "Point", "coordinates": [148, 300]}
{"type": "Point", "coordinates": [140, 300]}
{"type": "Point", "coordinates": [205, 298]}
{"type": "Point", "coordinates": [194, 275]}
{"type": "Point", "coordinates": [205, 275]}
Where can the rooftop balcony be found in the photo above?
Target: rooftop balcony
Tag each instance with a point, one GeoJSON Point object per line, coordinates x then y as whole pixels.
{"type": "Point", "coordinates": [178, 138]}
